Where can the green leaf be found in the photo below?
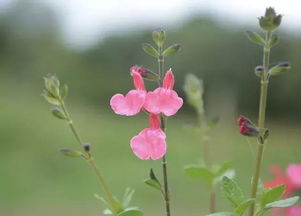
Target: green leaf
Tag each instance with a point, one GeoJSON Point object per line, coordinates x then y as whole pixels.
{"type": "Point", "coordinates": [256, 38]}
{"type": "Point", "coordinates": [221, 214]}
{"type": "Point", "coordinates": [153, 181]}
{"type": "Point", "coordinates": [232, 191]}
{"type": "Point", "coordinates": [171, 50]}
{"type": "Point", "coordinates": [127, 197]}
{"type": "Point", "coordinates": [280, 68]}
{"type": "Point", "coordinates": [149, 49]}
{"type": "Point", "coordinates": [57, 112]}
{"type": "Point", "coordinates": [159, 37]}
{"type": "Point", "coordinates": [244, 206]}
{"type": "Point", "coordinates": [198, 172]}
{"type": "Point", "coordinates": [131, 212]}
{"type": "Point", "coordinates": [71, 152]}
{"type": "Point", "coordinates": [274, 40]}
{"type": "Point", "coordinates": [271, 195]}
{"type": "Point", "coordinates": [223, 168]}
{"type": "Point", "coordinates": [64, 91]}
{"type": "Point", "coordinates": [283, 203]}
{"type": "Point", "coordinates": [51, 100]}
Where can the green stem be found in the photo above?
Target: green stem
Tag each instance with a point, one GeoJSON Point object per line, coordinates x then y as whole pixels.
{"type": "Point", "coordinates": [212, 201]}
{"type": "Point", "coordinates": [164, 161]}
{"type": "Point", "coordinates": [89, 159]}
{"type": "Point", "coordinates": [261, 123]}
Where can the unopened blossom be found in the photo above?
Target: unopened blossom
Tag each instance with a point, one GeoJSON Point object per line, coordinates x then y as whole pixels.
{"type": "Point", "coordinates": [150, 142]}
{"type": "Point", "coordinates": [164, 99]}
{"type": "Point", "coordinates": [133, 101]}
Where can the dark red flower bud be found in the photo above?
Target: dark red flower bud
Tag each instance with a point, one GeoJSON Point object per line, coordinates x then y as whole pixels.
{"type": "Point", "coordinates": [248, 130]}
{"type": "Point", "coordinates": [242, 121]}
{"type": "Point", "coordinates": [145, 73]}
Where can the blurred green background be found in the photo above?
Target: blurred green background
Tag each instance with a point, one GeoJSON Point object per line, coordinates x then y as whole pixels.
{"type": "Point", "coordinates": [36, 179]}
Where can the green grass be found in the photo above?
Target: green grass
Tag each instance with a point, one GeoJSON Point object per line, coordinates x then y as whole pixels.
{"type": "Point", "coordinates": [36, 179]}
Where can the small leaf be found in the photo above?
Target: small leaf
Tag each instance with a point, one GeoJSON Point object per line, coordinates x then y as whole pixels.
{"type": "Point", "coordinates": [280, 68]}
{"type": "Point", "coordinates": [71, 152]}
{"type": "Point", "coordinates": [64, 91]}
{"type": "Point", "coordinates": [274, 40]}
{"type": "Point", "coordinates": [244, 206]}
{"type": "Point", "coordinates": [153, 184]}
{"type": "Point", "coordinates": [127, 197]}
{"type": "Point", "coordinates": [198, 172]}
{"type": "Point", "coordinates": [256, 38]}
{"type": "Point", "coordinates": [131, 212]}
{"type": "Point", "coordinates": [171, 50]}
{"type": "Point", "coordinates": [283, 203]}
{"type": "Point", "coordinates": [57, 112]}
{"type": "Point", "coordinates": [271, 195]}
{"type": "Point", "coordinates": [221, 214]}
{"type": "Point", "coordinates": [223, 168]}
{"type": "Point", "coordinates": [232, 191]}
{"type": "Point", "coordinates": [159, 37]}
{"type": "Point", "coordinates": [149, 49]}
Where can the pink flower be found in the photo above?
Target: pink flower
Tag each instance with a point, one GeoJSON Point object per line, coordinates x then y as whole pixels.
{"type": "Point", "coordinates": [293, 211]}
{"type": "Point", "coordinates": [294, 173]}
{"type": "Point", "coordinates": [141, 70]}
{"type": "Point", "coordinates": [279, 179]}
{"type": "Point", "coordinates": [150, 142]}
{"type": "Point", "coordinates": [164, 99]}
{"type": "Point", "coordinates": [133, 101]}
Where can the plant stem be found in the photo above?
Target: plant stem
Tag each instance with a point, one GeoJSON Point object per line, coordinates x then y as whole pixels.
{"type": "Point", "coordinates": [261, 123]}
{"type": "Point", "coordinates": [212, 201]}
{"type": "Point", "coordinates": [164, 161]}
{"type": "Point", "coordinates": [89, 158]}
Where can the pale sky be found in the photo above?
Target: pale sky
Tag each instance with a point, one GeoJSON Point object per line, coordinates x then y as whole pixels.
{"type": "Point", "coordinates": [84, 21]}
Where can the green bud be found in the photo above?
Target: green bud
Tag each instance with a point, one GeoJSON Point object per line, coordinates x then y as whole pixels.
{"type": "Point", "coordinates": [259, 71]}
{"type": "Point", "coordinates": [270, 21]}
{"type": "Point", "coordinates": [280, 68]}
{"type": "Point", "coordinates": [64, 91]}
{"type": "Point", "coordinates": [274, 40]}
{"type": "Point", "coordinates": [159, 37]}
{"type": "Point", "coordinates": [57, 112]}
{"type": "Point", "coordinates": [71, 152]}
{"type": "Point", "coordinates": [171, 50]}
{"type": "Point", "coordinates": [193, 88]}
{"type": "Point", "coordinates": [51, 99]}
{"type": "Point", "coordinates": [150, 50]}
{"type": "Point", "coordinates": [256, 38]}
{"type": "Point", "coordinates": [52, 85]}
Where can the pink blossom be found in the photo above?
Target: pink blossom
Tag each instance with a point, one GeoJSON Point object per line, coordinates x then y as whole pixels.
{"type": "Point", "coordinates": [294, 173]}
{"type": "Point", "coordinates": [138, 69]}
{"type": "Point", "coordinates": [164, 99]}
{"type": "Point", "coordinates": [293, 211]}
{"type": "Point", "coordinates": [133, 101]}
{"type": "Point", "coordinates": [150, 142]}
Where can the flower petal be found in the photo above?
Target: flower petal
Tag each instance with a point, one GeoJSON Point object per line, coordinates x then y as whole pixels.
{"type": "Point", "coordinates": [128, 105]}
{"type": "Point", "coordinates": [164, 101]}
{"type": "Point", "coordinates": [149, 144]}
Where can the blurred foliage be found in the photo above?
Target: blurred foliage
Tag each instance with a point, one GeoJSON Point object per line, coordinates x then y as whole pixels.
{"type": "Point", "coordinates": [31, 47]}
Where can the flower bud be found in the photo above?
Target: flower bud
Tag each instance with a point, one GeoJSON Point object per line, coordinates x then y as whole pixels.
{"type": "Point", "coordinates": [52, 86]}
{"type": "Point", "coordinates": [144, 72]}
{"type": "Point", "coordinates": [270, 21]}
{"type": "Point", "coordinates": [159, 37]}
{"type": "Point", "coordinates": [87, 147]}
{"type": "Point", "coordinates": [242, 121]}
{"type": "Point", "coordinates": [248, 130]}
{"type": "Point", "coordinates": [280, 68]}
{"type": "Point", "coordinates": [259, 71]}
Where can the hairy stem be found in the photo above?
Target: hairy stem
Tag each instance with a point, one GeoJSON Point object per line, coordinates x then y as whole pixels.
{"type": "Point", "coordinates": [89, 159]}
{"type": "Point", "coordinates": [164, 160]}
{"type": "Point", "coordinates": [261, 123]}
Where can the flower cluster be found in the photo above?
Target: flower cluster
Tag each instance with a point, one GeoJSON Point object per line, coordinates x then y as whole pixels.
{"type": "Point", "coordinates": [292, 181]}
{"type": "Point", "coordinates": [150, 143]}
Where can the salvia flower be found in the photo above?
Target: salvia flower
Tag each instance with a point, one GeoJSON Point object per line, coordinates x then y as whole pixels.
{"type": "Point", "coordinates": [150, 142]}
{"type": "Point", "coordinates": [133, 101]}
{"type": "Point", "coordinates": [246, 127]}
{"type": "Point", "coordinates": [164, 99]}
